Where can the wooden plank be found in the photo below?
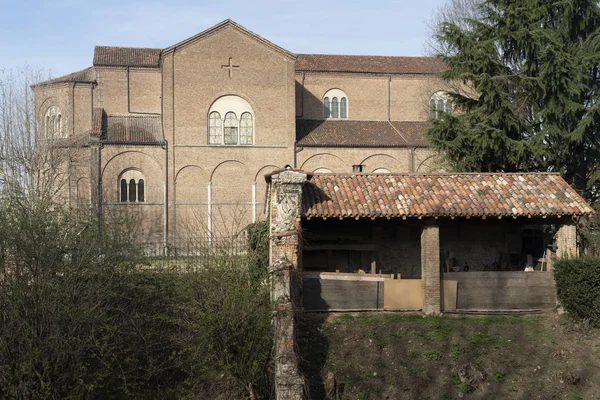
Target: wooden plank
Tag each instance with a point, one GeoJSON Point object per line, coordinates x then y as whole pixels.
{"type": "Point", "coordinates": [449, 294]}
{"type": "Point", "coordinates": [345, 276]}
{"type": "Point", "coordinates": [403, 294]}
{"type": "Point", "coordinates": [504, 290]}
{"type": "Point", "coordinates": [324, 295]}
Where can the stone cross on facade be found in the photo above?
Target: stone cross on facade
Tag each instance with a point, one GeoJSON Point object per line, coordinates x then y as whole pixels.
{"type": "Point", "coordinates": [230, 67]}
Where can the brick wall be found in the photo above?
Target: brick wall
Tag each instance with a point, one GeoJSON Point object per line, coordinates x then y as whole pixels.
{"type": "Point", "coordinates": [566, 240]}
{"type": "Point", "coordinates": [430, 264]}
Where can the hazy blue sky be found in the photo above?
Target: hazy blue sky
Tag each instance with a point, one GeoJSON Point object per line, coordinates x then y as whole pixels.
{"type": "Point", "coordinates": [59, 35]}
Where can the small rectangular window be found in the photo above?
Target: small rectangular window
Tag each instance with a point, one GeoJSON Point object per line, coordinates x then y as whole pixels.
{"type": "Point", "coordinates": [358, 168]}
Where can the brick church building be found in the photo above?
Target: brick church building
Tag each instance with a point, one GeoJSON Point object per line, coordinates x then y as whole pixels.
{"type": "Point", "coordinates": [183, 136]}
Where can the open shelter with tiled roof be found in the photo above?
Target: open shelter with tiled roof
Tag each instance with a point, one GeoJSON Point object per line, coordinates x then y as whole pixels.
{"type": "Point", "coordinates": [446, 241]}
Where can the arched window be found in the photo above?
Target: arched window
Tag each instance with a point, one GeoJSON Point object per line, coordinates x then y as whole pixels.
{"type": "Point", "coordinates": [123, 194]}
{"type": "Point", "coordinates": [132, 187]}
{"type": "Point", "coordinates": [53, 123]}
{"type": "Point", "coordinates": [448, 108]}
{"type": "Point", "coordinates": [246, 128]}
{"type": "Point", "coordinates": [215, 129]}
{"type": "Point", "coordinates": [132, 190]}
{"type": "Point", "coordinates": [343, 108]}
{"type": "Point", "coordinates": [335, 104]}
{"type": "Point", "coordinates": [224, 127]}
{"type": "Point", "coordinates": [141, 191]}
{"type": "Point", "coordinates": [230, 128]}
{"type": "Point", "coordinates": [440, 103]}
{"type": "Point", "coordinates": [335, 108]}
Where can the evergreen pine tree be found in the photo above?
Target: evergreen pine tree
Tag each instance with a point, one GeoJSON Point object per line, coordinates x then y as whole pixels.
{"type": "Point", "coordinates": [529, 78]}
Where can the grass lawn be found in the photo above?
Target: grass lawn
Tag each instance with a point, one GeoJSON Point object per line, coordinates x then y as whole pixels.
{"type": "Point", "coordinates": [408, 356]}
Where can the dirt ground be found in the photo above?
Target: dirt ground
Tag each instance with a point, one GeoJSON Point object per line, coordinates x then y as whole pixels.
{"type": "Point", "coordinates": [408, 356]}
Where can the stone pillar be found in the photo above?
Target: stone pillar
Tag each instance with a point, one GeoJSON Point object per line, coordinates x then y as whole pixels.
{"type": "Point", "coordinates": [289, 382]}
{"type": "Point", "coordinates": [284, 229]}
{"type": "Point", "coordinates": [285, 264]}
{"type": "Point", "coordinates": [566, 240]}
{"type": "Point", "coordinates": [430, 268]}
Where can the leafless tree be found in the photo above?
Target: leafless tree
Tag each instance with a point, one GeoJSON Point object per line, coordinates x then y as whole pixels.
{"type": "Point", "coordinates": [459, 12]}
{"type": "Point", "coordinates": [30, 165]}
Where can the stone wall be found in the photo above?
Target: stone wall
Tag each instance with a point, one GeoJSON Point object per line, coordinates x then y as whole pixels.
{"type": "Point", "coordinates": [285, 266]}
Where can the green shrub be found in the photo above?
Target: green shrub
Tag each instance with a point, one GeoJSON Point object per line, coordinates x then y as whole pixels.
{"type": "Point", "coordinates": [77, 318]}
{"type": "Point", "coordinates": [229, 330]}
{"type": "Point", "coordinates": [578, 287]}
{"type": "Point", "coordinates": [258, 249]}
{"type": "Point", "coordinates": [80, 318]}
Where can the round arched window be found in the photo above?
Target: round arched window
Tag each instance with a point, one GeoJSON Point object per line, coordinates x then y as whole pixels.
{"type": "Point", "coordinates": [335, 104]}
{"type": "Point", "coordinates": [132, 187]}
{"type": "Point", "coordinates": [440, 103]}
{"type": "Point", "coordinates": [230, 121]}
{"type": "Point", "coordinates": [53, 123]}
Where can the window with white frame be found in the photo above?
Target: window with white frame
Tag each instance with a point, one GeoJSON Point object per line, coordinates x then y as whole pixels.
{"type": "Point", "coordinates": [335, 104]}
{"type": "Point", "coordinates": [358, 168]}
{"type": "Point", "coordinates": [440, 103]}
{"type": "Point", "coordinates": [132, 187]}
{"type": "Point", "coordinates": [53, 123]}
{"type": "Point", "coordinates": [230, 121]}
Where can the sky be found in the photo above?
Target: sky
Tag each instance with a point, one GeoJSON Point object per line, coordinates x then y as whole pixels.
{"type": "Point", "coordinates": [59, 36]}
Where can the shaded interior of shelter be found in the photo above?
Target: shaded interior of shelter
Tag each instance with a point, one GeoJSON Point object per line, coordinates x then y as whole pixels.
{"type": "Point", "coordinates": [486, 258]}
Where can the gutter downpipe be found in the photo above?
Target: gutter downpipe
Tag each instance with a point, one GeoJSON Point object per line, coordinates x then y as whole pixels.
{"type": "Point", "coordinates": [173, 133]}
{"type": "Point", "coordinates": [253, 201]}
{"type": "Point", "coordinates": [209, 198]}
{"type": "Point", "coordinates": [389, 97]}
{"type": "Point", "coordinates": [302, 99]}
{"type": "Point", "coordinates": [100, 214]}
{"type": "Point", "coordinates": [166, 200]}
{"type": "Point", "coordinates": [128, 91]}
{"type": "Point", "coordinates": [175, 214]}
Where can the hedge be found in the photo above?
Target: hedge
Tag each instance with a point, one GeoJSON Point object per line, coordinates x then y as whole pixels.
{"type": "Point", "coordinates": [578, 287]}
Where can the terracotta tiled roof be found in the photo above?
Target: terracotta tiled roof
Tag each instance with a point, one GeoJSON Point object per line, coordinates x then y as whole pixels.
{"type": "Point", "coordinates": [369, 64]}
{"type": "Point", "coordinates": [413, 132]}
{"type": "Point", "coordinates": [126, 56]}
{"type": "Point", "coordinates": [348, 133]}
{"type": "Point", "coordinates": [133, 129]}
{"type": "Point", "coordinates": [85, 75]}
{"type": "Point", "coordinates": [448, 195]}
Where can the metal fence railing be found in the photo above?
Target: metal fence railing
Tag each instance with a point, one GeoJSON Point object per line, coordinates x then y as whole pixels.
{"type": "Point", "coordinates": [190, 256]}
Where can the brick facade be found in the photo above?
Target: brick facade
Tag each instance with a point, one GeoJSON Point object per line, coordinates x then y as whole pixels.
{"type": "Point", "coordinates": [199, 189]}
